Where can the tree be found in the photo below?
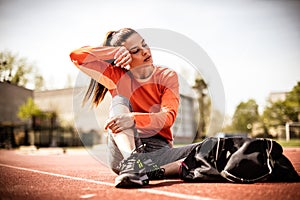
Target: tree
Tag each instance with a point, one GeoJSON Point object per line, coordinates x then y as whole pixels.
{"type": "Point", "coordinates": [292, 103]}
{"type": "Point", "coordinates": [275, 114]}
{"type": "Point", "coordinates": [245, 115]}
{"type": "Point", "coordinates": [39, 83]}
{"type": "Point", "coordinates": [280, 112]}
{"type": "Point", "coordinates": [204, 107]}
{"type": "Point", "coordinates": [18, 71]}
{"type": "Point", "coordinates": [28, 110]}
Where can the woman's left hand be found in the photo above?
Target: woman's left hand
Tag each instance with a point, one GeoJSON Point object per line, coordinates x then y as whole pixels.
{"type": "Point", "coordinates": [120, 122]}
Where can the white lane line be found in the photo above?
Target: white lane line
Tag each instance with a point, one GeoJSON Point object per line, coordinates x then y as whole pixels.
{"type": "Point", "coordinates": [147, 190]}
{"type": "Point", "coordinates": [58, 175]}
{"type": "Point", "coordinates": [174, 194]}
{"type": "Point", "coordinates": [87, 196]}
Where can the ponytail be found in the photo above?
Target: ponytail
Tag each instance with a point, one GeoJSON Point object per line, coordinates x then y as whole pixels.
{"type": "Point", "coordinates": [99, 93]}
{"type": "Point", "coordinates": [113, 38]}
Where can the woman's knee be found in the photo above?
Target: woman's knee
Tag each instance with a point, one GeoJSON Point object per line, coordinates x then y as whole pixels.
{"type": "Point", "coordinates": [120, 100]}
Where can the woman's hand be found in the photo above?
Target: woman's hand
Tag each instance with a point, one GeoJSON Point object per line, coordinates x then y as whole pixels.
{"type": "Point", "coordinates": [120, 122]}
{"type": "Point", "coordinates": [122, 58]}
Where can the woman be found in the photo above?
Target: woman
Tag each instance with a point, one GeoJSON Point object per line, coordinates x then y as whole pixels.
{"type": "Point", "coordinates": [144, 106]}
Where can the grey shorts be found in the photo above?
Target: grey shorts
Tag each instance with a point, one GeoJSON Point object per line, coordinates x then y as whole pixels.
{"type": "Point", "coordinates": [156, 147]}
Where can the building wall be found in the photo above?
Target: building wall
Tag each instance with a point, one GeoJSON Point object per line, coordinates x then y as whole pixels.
{"type": "Point", "coordinates": [68, 105]}
{"type": "Point", "coordinates": [277, 96]}
{"type": "Point", "coordinates": [59, 101]}
{"type": "Point", "coordinates": [12, 97]}
{"type": "Point", "coordinates": [184, 128]}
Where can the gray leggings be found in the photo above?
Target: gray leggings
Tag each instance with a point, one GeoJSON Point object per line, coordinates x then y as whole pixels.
{"type": "Point", "coordinates": [156, 147]}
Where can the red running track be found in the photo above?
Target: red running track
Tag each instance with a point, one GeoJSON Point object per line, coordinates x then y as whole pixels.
{"type": "Point", "coordinates": [80, 176]}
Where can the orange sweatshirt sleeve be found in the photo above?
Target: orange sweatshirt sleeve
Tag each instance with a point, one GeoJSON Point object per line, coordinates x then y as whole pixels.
{"type": "Point", "coordinates": [96, 63]}
{"type": "Point", "coordinates": [166, 116]}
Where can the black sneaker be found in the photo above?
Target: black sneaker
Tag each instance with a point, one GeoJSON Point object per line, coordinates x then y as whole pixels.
{"type": "Point", "coordinates": [137, 170]}
{"type": "Point", "coordinates": [153, 171]}
{"type": "Point", "coordinates": [132, 173]}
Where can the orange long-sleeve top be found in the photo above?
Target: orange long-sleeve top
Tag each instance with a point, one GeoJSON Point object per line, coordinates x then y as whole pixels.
{"type": "Point", "coordinates": [154, 100]}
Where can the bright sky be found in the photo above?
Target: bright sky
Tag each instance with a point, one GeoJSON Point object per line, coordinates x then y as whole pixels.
{"type": "Point", "coordinates": [255, 44]}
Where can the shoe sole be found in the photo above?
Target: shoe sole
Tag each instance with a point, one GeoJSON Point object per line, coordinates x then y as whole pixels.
{"type": "Point", "coordinates": [130, 181]}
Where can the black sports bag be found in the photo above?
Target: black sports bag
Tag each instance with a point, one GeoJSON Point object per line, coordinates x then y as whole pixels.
{"type": "Point", "coordinates": [237, 159]}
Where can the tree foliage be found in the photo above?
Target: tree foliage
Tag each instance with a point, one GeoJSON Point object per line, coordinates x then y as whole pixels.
{"type": "Point", "coordinates": [275, 114]}
{"type": "Point", "coordinates": [280, 112]}
{"type": "Point", "coordinates": [18, 71]}
{"type": "Point", "coordinates": [28, 110]}
{"type": "Point", "coordinates": [245, 115]}
{"type": "Point", "coordinates": [204, 104]}
{"type": "Point", "coordinates": [292, 103]}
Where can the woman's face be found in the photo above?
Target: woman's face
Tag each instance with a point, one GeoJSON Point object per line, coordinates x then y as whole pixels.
{"type": "Point", "coordinates": [139, 50]}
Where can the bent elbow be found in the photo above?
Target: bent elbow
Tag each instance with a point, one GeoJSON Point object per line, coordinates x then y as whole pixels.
{"type": "Point", "coordinates": [77, 56]}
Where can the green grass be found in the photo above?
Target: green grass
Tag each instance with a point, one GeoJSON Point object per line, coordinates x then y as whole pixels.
{"type": "Point", "coordinates": [282, 142]}
{"type": "Point", "coordinates": [291, 143]}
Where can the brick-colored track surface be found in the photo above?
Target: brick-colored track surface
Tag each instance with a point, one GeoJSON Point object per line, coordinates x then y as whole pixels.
{"type": "Point", "coordinates": [81, 176]}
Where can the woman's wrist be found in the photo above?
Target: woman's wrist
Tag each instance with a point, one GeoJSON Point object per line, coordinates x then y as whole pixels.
{"type": "Point", "coordinates": [133, 119]}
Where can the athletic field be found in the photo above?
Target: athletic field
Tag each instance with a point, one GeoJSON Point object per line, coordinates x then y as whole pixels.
{"type": "Point", "coordinates": [76, 174]}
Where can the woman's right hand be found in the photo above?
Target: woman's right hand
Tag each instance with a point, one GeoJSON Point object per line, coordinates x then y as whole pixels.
{"type": "Point", "coordinates": [120, 122]}
{"type": "Point", "coordinates": [122, 58]}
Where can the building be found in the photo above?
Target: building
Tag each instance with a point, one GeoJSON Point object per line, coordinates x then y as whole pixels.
{"type": "Point", "coordinates": [69, 114]}
{"type": "Point", "coordinates": [277, 96]}
{"type": "Point", "coordinates": [67, 103]}
{"type": "Point", "coordinates": [12, 97]}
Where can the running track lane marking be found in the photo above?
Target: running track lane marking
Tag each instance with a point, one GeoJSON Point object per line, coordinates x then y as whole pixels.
{"type": "Point", "coordinates": [151, 191]}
